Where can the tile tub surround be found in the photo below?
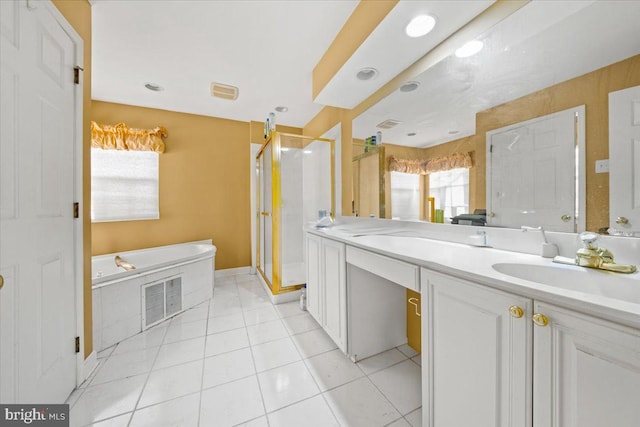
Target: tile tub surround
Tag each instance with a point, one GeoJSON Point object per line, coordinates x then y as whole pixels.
{"type": "Point", "coordinates": [227, 369]}
{"type": "Point", "coordinates": [117, 303]}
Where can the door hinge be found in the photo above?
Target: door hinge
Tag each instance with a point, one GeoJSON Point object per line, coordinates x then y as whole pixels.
{"type": "Point", "coordinates": [76, 74]}
{"type": "Point", "coordinates": [77, 344]}
{"type": "Point", "coordinates": [491, 148]}
{"type": "Point", "coordinates": [76, 210]}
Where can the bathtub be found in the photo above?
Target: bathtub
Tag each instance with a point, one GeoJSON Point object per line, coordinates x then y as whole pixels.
{"type": "Point", "coordinates": [166, 281]}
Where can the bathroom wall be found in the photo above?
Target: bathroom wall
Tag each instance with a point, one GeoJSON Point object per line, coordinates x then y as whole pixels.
{"type": "Point", "coordinates": [204, 185]}
{"type": "Point", "coordinates": [78, 14]}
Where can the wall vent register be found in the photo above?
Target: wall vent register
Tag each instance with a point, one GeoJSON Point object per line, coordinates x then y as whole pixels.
{"type": "Point", "coordinates": [161, 300]}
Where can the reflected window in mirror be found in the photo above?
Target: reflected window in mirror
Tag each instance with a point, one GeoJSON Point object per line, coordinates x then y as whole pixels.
{"type": "Point", "coordinates": [451, 191]}
{"type": "Point", "coordinates": [405, 196]}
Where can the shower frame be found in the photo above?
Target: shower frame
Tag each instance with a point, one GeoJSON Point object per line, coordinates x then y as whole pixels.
{"type": "Point", "coordinates": [275, 142]}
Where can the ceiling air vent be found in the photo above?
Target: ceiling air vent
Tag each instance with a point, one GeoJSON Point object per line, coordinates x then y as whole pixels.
{"type": "Point", "coordinates": [221, 90]}
{"type": "Point", "coordinates": [388, 124]}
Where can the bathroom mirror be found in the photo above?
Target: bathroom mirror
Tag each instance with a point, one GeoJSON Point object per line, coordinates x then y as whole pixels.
{"type": "Point", "coordinates": [543, 59]}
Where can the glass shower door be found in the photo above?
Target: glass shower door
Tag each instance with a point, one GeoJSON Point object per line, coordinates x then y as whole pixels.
{"type": "Point", "coordinates": [295, 182]}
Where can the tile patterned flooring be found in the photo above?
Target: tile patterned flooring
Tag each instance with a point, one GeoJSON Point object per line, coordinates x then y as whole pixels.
{"type": "Point", "coordinates": [238, 360]}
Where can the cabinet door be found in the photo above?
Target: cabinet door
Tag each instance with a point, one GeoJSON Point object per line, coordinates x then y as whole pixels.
{"type": "Point", "coordinates": [314, 291]}
{"type": "Point", "coordinates": [586, 371]}
{"type": "Point", "coordinates": [335, 291]}
{"type": "Point", "coordinates": [478, 361]}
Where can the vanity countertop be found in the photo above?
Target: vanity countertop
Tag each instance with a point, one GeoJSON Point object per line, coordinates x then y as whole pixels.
{"type": "Point", "coordinates": [613, 296]}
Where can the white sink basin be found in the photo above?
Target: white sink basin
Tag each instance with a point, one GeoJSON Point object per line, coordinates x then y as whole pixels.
{"type": "Point", "coordinates": [595, 282]}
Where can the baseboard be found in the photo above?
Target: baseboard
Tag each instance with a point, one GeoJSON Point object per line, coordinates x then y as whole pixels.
{"type": "Point", "coordinates": [280, 298]}
{"type": "Point", "coordinates": [87, 367]}
{"type": "Point", "coordinates": [232, 271]}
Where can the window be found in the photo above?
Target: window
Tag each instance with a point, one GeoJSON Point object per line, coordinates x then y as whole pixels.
{"type": "Point", "coordinates": [124, 185]}
{"type": "Point", "coordinates": [451, 190]}
{"type": "Point", "coordinates": [405, 196]}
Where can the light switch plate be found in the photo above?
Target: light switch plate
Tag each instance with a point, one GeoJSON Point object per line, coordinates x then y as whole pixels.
{"type": "Point", "coordinates": [602, 166]}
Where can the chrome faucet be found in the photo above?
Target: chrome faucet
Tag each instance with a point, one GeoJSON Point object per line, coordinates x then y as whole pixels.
{"type": "Point", "coordinates": [548, 250]}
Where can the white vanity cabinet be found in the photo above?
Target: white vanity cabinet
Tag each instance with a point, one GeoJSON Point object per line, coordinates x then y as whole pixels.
{"type": "Point", "coordinates": [488, 364]}
{"type": "Point", "coordinates": [586, 371]}
{"type": "Point", "coordinates": [476, 369]}
{"type": "Point", "coordinates": [326, 286]}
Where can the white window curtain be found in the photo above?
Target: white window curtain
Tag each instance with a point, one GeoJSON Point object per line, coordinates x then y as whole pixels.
{"type": "Point", "coordinates": [124, 185]}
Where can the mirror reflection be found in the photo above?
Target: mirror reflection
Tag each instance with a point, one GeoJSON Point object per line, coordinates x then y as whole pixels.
{"type": "Point", "coordinates": [531, 110]}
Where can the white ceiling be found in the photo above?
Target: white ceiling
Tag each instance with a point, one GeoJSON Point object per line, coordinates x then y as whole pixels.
{"type": "Point", "coordinates": [542, 44]}
{"type": "Point", "coordinates": [389, 50]}
{"type": "Point", "coordinates": [266, 48]}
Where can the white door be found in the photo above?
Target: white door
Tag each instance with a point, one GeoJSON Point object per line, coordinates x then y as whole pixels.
{"type": "Point", "coordinates": [37, 301]}
{"type": "Point", "coordinates": [531, 173]}
{"type": "Point", "coordinates": [479, 370]}
{"type": "Point", "coordinates": [586, 371]}
{"type": "Point", "coordinates": [334, 280]}
{"type": "Point", "coordinates": [624, 160]}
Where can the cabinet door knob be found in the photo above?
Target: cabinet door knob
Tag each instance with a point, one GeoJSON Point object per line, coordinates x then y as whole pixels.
{"type": "Point", "coordinates": [540, 319]}
{"type": "Point", "coordinates": [565, 218]}
{"type": "Point", "coordinates": [516, 311]}
{"type": "Point", "coordinates": [622, 220]}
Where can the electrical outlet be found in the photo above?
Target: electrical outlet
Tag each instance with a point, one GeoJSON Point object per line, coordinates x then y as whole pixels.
{"type": "Point", "coordinates": [602, 166]}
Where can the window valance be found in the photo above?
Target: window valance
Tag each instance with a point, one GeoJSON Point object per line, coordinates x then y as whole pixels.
{"type": "Point", "coordinates": [425, 167]}
{"type": "Point", "coordinates": [122, 137]}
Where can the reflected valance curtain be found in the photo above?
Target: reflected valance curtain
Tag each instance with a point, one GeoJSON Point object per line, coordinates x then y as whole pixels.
{"type": "Point", "coordinates": [425, 167]}
{"type": "Point", "coordinates": [122, 137]}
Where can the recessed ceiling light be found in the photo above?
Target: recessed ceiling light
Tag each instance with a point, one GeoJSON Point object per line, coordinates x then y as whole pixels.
{"type": "Point", "coordinates": [411, 134]}
{"type": "Point", "coordinates": [367, 73]}
{"type": "Point", "coordinates": [409, 86]}
{"type": "Point", "coordinates": [281, 109]}
{"type": "Point", "coordinates": [308, 152]}
{"type": "Point", "coordinates": [284, 149]}
{"type": "Point", "coordinates": [154, 87]}
{"type": "Point", "coordinates": [420, 26]}
{"type": "Point", "coordinates": [469, 49]}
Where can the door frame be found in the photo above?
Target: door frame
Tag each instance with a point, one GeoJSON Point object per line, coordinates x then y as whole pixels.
{"type": "Point", "coordinates": [580, 201]}
{"type": "Point", "coordinates": [82, 368]}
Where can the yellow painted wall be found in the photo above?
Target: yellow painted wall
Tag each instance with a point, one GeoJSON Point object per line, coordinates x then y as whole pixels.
{"type": "Point", "coordinates": [78, 14]}
{"type": "Point", "coordinates": [256, 131]}
{"type": "Point", "coordinates": [204, 185]}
